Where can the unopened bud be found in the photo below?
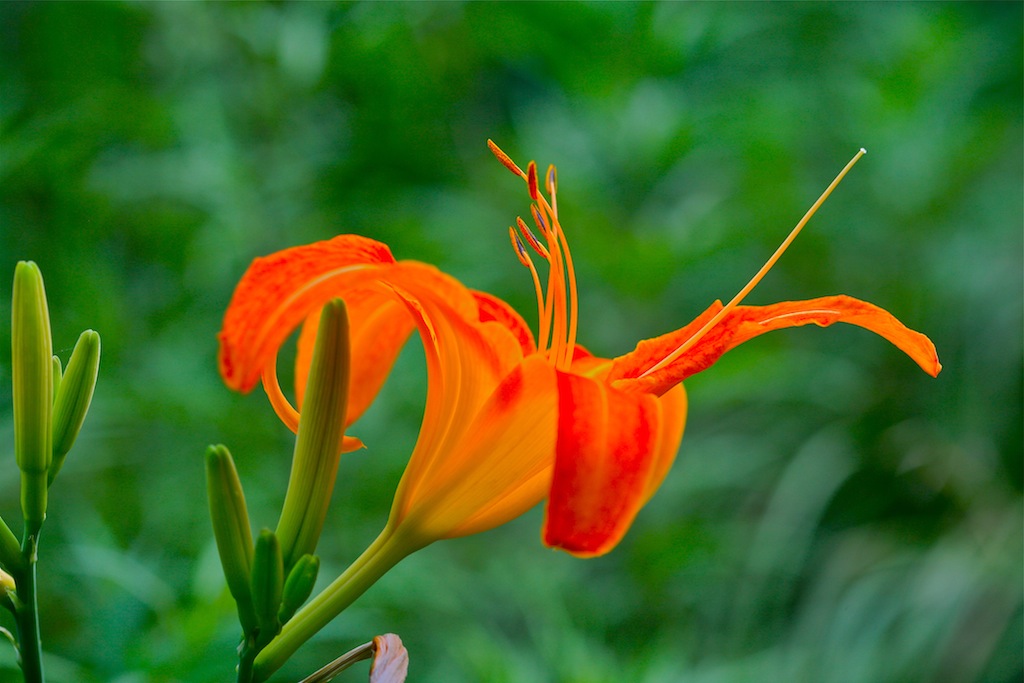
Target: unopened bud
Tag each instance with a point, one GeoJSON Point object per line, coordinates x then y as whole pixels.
{"type": "Point", "coordinates": [267, 583]}
{"type": "Point", "coordinates": [32, 374]}
{"type": "Point", "coordinates": [73, 397]}
{"type": "Point", "coordinates": [298, 586]}
{"type": "Point", "coordinates": [231, 530]}
{"type": "Point", "coordinates": [318, 443]}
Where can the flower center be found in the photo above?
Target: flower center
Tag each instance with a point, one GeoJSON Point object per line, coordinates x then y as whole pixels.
{"type": "Point", "coordinates": [557, 302]}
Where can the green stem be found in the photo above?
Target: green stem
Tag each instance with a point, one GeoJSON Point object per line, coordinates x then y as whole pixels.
{"type": "Point", "coordinates": [27, 614]}
{"type": "Point", "coordinates": [384, 553]}
{"type": "Point", "coordinates": [245, 660]}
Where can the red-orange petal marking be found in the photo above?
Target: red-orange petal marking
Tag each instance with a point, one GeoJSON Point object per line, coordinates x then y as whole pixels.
{"type": "Point", "coordinates": [492, 308]}
{"type": "Point", "coordinates": [605, 450]}
{"type": "Point", "coordinates": [746, 322]}
{"type": "Point", "coordinates": [277, 292]}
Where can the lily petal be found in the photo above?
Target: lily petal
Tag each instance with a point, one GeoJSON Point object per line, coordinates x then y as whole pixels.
{"type": "Point", "coordinates": [279, 291]}
{"type": "Point", "coordinates": [605, 450]}
{"type": "Point", "coordinates": [466, 361]}
{"type": "Point", "coordinates": [501, 467]}
{"type": "Point", "coordinates": [746, 322]}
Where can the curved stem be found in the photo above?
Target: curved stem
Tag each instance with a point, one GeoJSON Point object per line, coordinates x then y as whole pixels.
{"type": "Point", "coordinates": [384, 553]}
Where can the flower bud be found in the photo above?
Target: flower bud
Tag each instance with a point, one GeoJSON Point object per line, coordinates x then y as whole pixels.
{"type": "Point", "coordinates": [10, 550]}
{"type": "Point", "coordinates": [267, 583]}
{"type": "Point", "coordinates": [318, 443]}
{"type": "Point", "coordinates": [73, 397]}
{"type": "Point", "coordinates": [231, 530]}
{"type": "Point", "coordinates": [298, 586]}
{"type": "Point", "coordinates": [32, 371]}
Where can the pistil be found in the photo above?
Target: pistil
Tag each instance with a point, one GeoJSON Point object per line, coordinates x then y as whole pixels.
{"type": "Point", "coordinates": [707, 327]}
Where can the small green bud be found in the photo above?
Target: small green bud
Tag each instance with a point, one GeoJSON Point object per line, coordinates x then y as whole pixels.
{"type": "Point", "coordinates": [8, 591]}
{"type": "Point", "coordinates": [32, 374]}
{"type": "Point", "coordinates": [298, 586]}
{"type": "Point", "coordinates": [231, 530]}
{"type": "Point", "coordinates": [73, 397]}
{"type": "Point", "coordinates": [318, 442]}
{"type": "Point", "coordinates": [10, 550]}
{"type": "Point", "coordinates": [267, 583]}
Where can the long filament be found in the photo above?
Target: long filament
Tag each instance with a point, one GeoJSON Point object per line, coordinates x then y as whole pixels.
{"type": "Point", "coordinates": [689, 343]}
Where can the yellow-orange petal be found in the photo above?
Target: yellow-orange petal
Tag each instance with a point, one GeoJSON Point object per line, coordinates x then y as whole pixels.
{"type": "Point", "coordinates": [746, 322]}
{"type": "Point", "coordinates": [500, 467]}
{"type": "Point", "coordinates": [278, 291]}
{"type": "Point", "coordinates": [607, 444]}
{"type": "Point", "coordinates": [466, 360]}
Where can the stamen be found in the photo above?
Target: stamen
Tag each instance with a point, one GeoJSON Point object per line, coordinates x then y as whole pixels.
{"type": "Point", "coordinates": [570, 272]}
{"type": "Point", "coordinates": [505, 160]}
{"type": "Point", "coordinates": [530, 238]}
{"type": "Point", "coordinates": [557, 305]}
{"type": "Point", "coordinates": [525, 259]}
{"type": "Point", "coordinates": [689, 343]}
{"type": "Point", "coordinates": [520, 249]}
{"type": "Point", "coordinates": [281, 405]}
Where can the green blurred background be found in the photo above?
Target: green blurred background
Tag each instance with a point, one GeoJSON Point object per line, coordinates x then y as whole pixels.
{"type": "Point", "coordinates": [834, 514]}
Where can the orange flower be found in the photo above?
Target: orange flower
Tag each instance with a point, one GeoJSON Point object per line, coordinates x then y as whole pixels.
{"type": "Point", "coordinates": [510, 420]}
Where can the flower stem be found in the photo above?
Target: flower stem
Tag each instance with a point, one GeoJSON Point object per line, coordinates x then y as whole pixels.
{"type": "Point", "coordinates": [384, 553]}
{"type": "Point", "coordinates": [27, 614]}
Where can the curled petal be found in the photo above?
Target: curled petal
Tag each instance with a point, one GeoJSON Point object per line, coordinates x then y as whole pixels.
{"type": "Point", "coordinates": [746, 322]}
{"type": "Point", "coordinates": [278, 291]}
{"type": "Point", "coordinates": [390, 659]}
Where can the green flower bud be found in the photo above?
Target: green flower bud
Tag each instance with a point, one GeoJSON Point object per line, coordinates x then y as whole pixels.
{"type": "Point", "coordinates": [231, 530]}
{"type": "Point", "coordinates": [298, 586]}
{"type": "Point", "coordinates": [73, 397]}
{"type": "Point", "coordinates": [32, 370]}
{"type": "Point", "coordinates": [10, 550]}
{"type": "Point", "coordinates": [267, 583]}
{"type": "Point", "coordinates": [318, 443]}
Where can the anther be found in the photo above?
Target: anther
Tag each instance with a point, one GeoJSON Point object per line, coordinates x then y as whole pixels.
{"type": "Point", "coordinates": [505, 160]}
{"type": "Point", "coordinates": [517, 245]}
{"type": "Point", "coordinates": [530, 238]}
{"type": "Point", "coordinates": [531, 180]}
{"type": "Point", "coordinates": [538, 218]}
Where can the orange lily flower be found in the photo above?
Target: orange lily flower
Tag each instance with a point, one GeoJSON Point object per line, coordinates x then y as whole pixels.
{"type": "Point", "coordinates": [509, 420]}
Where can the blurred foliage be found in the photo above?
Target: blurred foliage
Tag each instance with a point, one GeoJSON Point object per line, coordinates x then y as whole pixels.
{"type": "Point", "coordinates": [834, 514]}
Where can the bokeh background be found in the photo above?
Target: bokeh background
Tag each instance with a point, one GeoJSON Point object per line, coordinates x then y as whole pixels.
{"type": "Point", "coordinates": [834, 515]}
